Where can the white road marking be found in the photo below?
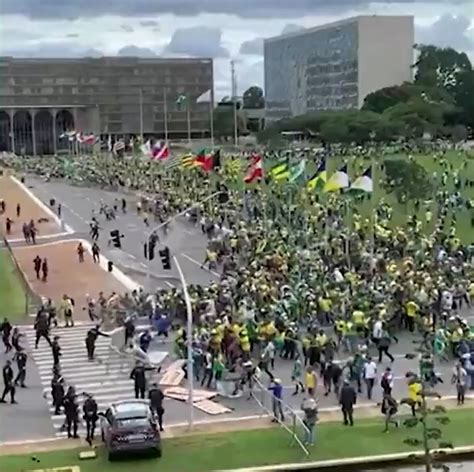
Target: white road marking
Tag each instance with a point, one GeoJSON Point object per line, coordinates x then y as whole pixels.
{"type": "Point", "coordinates": [169, 284]}
{"type": "Point", "coordinates": [39, 238]}
{"type": "Point", "coordinates": [194, 261]}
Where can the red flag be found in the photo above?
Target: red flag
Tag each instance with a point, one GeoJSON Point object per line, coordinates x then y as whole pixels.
{"type": "Point", "coordinates": [205, 161]}
{"type": "Point", "coordinates": [255, 170]}
{"type": "Point", "coordinates": [160, 152]}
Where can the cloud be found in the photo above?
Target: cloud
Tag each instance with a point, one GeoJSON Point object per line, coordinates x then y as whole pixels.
{"type": "Point", "coordinates": [448, 31]}
{"type": "Point", "coordinates": [73, 9]}
{"type": "Point", "coordinates": [252, 47]}
{"type": "Point", "coordinates": [127, 28]}
{"type": "Point", "coordinates": [199, 41]}
{"type": "Point", "coordinates": [72, 35]}
{"type": "Point", "coordinates": [292, 28]}
{"type": "Point", "coordinates": [132, 50]}
{"type": "Point", "coordinates": [149, 23]}
{"type": "Point", "coordinates": [255, 46]}
{"type": "Point", "coordinates": [50, 49]}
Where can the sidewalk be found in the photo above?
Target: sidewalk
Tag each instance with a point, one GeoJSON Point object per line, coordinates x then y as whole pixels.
{"type": "Point", "coordinates": [210, 427]}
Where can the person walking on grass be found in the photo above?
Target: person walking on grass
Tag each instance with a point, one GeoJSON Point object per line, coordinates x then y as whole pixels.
{"type": "Point", "coordinates": [347, 400]}
{"type": "Point", "coordinates": [80, 252]}
{"type": "Point", "coordinates": [459, 379]}
{"type": "Point", "coordinates": [310, 410]}
{"type": "Point", "coordinates": [389, 409]}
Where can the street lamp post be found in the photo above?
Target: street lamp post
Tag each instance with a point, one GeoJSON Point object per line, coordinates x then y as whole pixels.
{"type": "Point", "coordinates": [189, 311]}
{"type": "Point", "coordinates": [189, 342]}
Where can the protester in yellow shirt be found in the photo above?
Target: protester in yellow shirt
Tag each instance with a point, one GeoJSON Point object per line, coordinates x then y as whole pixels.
{"type": "Point", "coordinates": [411, 309]}
{"type": "Point", "coordinates": [311, 381]}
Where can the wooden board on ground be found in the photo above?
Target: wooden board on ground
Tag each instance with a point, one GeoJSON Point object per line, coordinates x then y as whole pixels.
{"type": "Point", "coordinates": [211, 408]}
{"type": "Point", "coordinates": [173, 375]}
{"type": "Point", "coordinates": [182, 394]}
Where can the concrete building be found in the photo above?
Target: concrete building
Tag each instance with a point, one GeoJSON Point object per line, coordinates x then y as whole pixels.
{"type": "Point", "coordinates": [335, 66]}
{"type": "Point", "coordinates": [119, 96]}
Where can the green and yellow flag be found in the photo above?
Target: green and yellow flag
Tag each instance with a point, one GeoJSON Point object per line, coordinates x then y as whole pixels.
{"type": "Point", "coordinates": [319, 178]}
{"type": "Point", "coordinates": [280, 171]}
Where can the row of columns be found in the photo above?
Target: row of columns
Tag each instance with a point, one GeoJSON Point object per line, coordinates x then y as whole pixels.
{"type": "Point", "coordinates": [54, 111]}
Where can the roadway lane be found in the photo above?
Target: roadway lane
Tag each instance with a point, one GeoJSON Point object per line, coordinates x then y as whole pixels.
{"type": "Point", "coordinates": [184, 240]}
{"type": "Point", "coordinates": [28, 419]}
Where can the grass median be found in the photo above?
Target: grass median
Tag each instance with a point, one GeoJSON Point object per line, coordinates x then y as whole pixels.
{"type": "Point", "coordinates": [12, 296]}
{"type": "Point", "coordinates": [204, 453]}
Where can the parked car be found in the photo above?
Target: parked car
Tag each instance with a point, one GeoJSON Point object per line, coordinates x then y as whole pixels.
{"type": "Point", "coordinates": [128, 426]}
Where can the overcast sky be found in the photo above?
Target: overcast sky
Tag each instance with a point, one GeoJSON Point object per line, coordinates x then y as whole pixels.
{"type": "Point", "coordinates": [221, 29]}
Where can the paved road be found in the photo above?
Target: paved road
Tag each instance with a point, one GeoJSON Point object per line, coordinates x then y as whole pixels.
{"type": "Point", "coordinates": [186, 242]}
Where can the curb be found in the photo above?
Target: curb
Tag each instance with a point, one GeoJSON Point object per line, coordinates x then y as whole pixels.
{"type": "Point", "coordinates": [362, 460]}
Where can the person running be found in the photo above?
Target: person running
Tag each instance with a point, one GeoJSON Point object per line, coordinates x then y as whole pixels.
{"type": "Point", "coordinates": [389, 409]}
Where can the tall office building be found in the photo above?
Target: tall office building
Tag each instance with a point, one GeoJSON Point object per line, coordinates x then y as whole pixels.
{"type": "Point", "coordinates": [335, 66]}
{"type": "Point", "coordinates": [119, 96]}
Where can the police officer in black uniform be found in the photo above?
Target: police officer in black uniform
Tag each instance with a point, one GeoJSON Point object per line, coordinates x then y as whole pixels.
{"type": "Point", "coordinates": [57, 392]}
{"type": "Point", "coordinates": [90, 409]}
{"type": "Point", "coordinates": [42, 326]}
{"type": "Point", "coordinates": [138, 375]}
{"type": "Point", "coordinates": [21, 358]}
{"type": "Point", "coordinates": [56, 350]}
{"type": "Point", "coordinates": [156, 397]}
{"type": "Point", "coordinates": [71, 410]}
{"type": "Point", "coordinates": [9, 386]}
{"type": "Point", "coordinates": [91, 338]}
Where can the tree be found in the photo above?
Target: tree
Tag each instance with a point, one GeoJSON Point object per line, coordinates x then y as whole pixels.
{"type": "Point", "coordinates": [253, 98]}
{"type": "Point", "coordinates": [334, 130]}
{"type": "Point", "coordinates": [429, 420]}
{"type": "Point", "coordinates": [407, 178]}
{"type": "Point", "coordinates": [387, 97]}
{"type": "Point", "coordinates": [464, 96]}
{"type": "Point", "coordinates": [440, 67]}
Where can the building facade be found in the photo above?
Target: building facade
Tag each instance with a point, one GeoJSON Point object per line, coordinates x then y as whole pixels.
{"type": "Point", "coordinates": [119, 96]}
{"type": "Point", "coordinates": [335, 66]}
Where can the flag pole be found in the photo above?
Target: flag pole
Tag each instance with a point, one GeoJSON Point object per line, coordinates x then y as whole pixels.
{"type": "Point", "coordinates": [211, 114]}
{"type": "Point", "coordinates": [234, 102]}
{"type": "Point", "coordinates": [141, 113]}
{"type": "Point", "coordinates": [165, 111]}
{"type": "Point", "coordinates": [188, 119]}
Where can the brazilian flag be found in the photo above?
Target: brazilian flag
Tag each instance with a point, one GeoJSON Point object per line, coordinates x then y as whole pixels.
{"type": "Point", "coordinates": [280, 171]}
{"type": "Point", "coordinates": [319, 178]}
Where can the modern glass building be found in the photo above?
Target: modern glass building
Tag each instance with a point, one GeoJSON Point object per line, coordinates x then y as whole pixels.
{"type": "Point", "coordinates": [335, 66]}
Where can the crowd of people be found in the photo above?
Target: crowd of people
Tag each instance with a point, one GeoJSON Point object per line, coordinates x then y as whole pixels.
{"type": "Point", "coordinates": [307, 276]}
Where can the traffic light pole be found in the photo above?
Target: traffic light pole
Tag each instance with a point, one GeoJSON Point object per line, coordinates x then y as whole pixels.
{"type": "Point", "coordinates": [189, 342]}
{"type": "Point", "coordinates": [169, 220]}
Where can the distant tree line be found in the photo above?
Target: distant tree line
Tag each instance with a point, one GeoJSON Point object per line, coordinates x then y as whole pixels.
{"type": "Point", "coordinates": [440, 101]}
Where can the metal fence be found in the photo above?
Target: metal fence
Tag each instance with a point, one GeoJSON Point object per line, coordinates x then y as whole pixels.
{"type": "Point", "coordinates": [32, 300]}
{"type": "Point", "coordinates": [271, 406]}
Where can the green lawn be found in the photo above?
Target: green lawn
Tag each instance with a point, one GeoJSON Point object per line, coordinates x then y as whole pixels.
{"type": "Point", "coordinates": [401, 213]}
{"type": "Point", "coordinates": [254, 448]}
{"type": "Point", "coordinates": [12, 296]}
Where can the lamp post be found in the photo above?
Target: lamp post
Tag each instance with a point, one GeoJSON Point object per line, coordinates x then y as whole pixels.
{"type": "Point", "coordinates": [189, 311]}
{"type": "Point", "coordinates": [189, 342]}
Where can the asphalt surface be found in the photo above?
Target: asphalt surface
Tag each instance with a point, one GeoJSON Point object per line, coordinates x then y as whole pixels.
{"type": "Point", "coordinates": [185, 242]}
{"type": "Point", "coordinates": [32, 417]}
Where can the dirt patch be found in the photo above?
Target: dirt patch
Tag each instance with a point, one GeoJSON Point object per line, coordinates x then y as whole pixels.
{"type": "Point", "coordinates": [14, 194]}
{"type": "Point", "coordinates": [66, 275]}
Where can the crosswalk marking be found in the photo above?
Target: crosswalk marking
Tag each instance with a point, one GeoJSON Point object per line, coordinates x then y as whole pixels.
{"type": "Point", "coordinates": [107, 377]}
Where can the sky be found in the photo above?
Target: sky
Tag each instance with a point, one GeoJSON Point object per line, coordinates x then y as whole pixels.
{"type": "Point", "coordinates": [222, 29]}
